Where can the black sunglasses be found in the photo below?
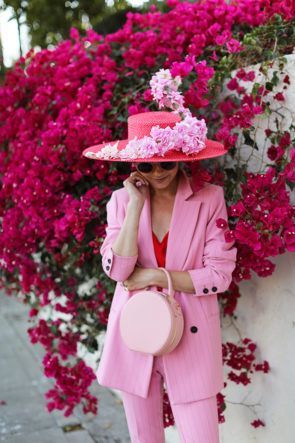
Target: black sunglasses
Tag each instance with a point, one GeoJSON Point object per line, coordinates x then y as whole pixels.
{"type": "Point", "coordinates": [148, 167]}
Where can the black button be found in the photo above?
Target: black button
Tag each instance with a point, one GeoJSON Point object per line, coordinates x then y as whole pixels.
{"type": "Point", "coordinates": [214, 289]}
{"type": "Point", "coordinates": [205, 290]}
{"type": "Point", "coordinates": [194, 329]}
{"type": "Point", "coordinates": [109, 260]}
{"type": "Point", "coordinates": [107, 268]}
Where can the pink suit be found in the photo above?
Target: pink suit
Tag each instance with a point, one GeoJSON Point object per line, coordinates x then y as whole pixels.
{"type": "Point", "coordinates": [194, 370]}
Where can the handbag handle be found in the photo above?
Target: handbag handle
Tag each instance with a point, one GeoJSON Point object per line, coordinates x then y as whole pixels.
{"type": "Point", "coordinates": [170, 286]}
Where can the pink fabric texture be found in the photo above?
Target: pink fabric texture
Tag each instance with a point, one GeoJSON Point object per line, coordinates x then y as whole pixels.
{"type": "Point", "coordinates": [196, 422]}
{"type": "Point", "coordinates": [194, 370]}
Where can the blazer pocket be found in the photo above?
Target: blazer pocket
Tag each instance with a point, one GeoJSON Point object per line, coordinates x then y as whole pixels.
{"type": "Point", "coordinates": [209, 305]}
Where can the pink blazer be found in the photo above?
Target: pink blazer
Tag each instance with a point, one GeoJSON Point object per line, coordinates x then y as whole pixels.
{"type": "Point", "coordinates": [194, 370]}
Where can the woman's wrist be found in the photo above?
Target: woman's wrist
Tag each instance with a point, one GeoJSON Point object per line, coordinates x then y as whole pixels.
{"type": "Point", "coordinates": [134, 207]}
{"type": "Point", "coordinates": [159, 278]}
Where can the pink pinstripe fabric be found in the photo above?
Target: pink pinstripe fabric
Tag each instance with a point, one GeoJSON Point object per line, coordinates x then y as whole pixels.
{"type": "Point", "coordinates": [194, 369]}
{"type": "Point", "coordinates": [196, 422]}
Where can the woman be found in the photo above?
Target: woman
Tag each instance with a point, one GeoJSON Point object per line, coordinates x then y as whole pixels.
{"type": "Point", "coordinates": [160, 219]}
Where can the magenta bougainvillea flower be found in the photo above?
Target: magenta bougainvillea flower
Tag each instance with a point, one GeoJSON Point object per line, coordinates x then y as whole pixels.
{"type": "Point", "coordinates": [54, 103]}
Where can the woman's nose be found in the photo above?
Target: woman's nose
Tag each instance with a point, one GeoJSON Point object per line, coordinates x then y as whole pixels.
{"type": "Point", "coordinates": [157, 168]}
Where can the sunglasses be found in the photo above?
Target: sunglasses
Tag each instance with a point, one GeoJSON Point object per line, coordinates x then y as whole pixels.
{"type": "Point", "coordinates": [148, 167]}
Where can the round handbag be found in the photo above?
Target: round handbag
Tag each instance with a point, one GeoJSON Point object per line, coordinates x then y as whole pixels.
{"type": "Point", "coordinates": [151, 321]}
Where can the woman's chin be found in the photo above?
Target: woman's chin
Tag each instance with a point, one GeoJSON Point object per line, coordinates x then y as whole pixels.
{"type": "Point", "coordinates": [163, 182]}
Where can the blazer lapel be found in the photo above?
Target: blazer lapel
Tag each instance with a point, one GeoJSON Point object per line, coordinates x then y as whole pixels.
{"type": "Point", "coordinates": [182, 226]}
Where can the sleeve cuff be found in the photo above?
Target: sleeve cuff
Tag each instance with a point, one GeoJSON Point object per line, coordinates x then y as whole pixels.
{"type": "Point", "coordinates": [206, 281]}
{"type": "Point", "coordinates": [118, 267]}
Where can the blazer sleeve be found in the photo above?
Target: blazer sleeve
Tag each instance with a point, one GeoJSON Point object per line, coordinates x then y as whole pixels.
{"type": "Point", "coordinates": [219, 257]}
{"type": "Point", "coordinates": [116, 267]}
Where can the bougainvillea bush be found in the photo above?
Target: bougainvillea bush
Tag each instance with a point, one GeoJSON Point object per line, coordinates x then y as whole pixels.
{"type": "Point", "coordinates": [56, 102]}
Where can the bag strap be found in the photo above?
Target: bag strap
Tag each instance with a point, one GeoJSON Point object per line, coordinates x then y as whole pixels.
{"type": "Point", "coordinates": [170, 286]}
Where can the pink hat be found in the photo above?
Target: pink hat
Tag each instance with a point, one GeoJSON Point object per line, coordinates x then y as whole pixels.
{"type": "Point", "coordinates": [183, 140]}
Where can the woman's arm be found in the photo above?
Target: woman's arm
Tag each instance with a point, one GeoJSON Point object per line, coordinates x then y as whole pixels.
{"type": "Point", "coordinates": [181, 280]}
{"type": "Point", "coordinates": [219, 259]}
{"type": "Point", "coordinates": [119, 249]}
{"type": "Point", "coordinates": [126, 242]}
{"type": "Point", "coordinates": [219, 256]}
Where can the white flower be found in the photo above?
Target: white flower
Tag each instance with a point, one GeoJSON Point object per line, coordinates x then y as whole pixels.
{"type": "Point", "coordinates": [108, 151]}
{"type": "Point", "coordinates": [90, 154]}
{"type": "Point", "coordinates": [130, 150]}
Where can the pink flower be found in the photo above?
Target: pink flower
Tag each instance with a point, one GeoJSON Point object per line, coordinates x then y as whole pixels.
{"type": "Point", "coordinates": [246, 234]}
{"type": "Point", "coordinates": [289, 238]}
{"type": "Point", "coordinates": [237, 210]}
{"type": "Point", "coordinates": [181, 69]}
{"type": "Point", "coordinates": [233, 46]}
{"type": "Point", "coordinates": [165, 138]}
{"type": "Point", "coordinates": [147, 147]}
{"type": "Point", "coordinates": [257, 423]}
{"type": "Point", "coordinates": [221, 223]}
{"type": "Point", "coordinates": [279, 96]}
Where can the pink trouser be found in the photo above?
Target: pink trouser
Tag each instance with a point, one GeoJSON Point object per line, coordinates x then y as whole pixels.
{"type": "Point", "coordinates": [196, 422]}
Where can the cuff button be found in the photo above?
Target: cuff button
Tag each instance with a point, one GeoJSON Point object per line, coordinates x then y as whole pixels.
{"type": "Point", "coordinates": [214, 289]}
{"type": "Point", "coordinates": [205, 290]}
{"type": "Point", "coordinates": [107, 268]}
{"type": "Point", "coordinates": [109, 260]}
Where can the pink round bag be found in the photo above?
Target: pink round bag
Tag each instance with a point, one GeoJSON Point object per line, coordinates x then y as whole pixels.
{"type": "Point", "coordinates": [152, 322]}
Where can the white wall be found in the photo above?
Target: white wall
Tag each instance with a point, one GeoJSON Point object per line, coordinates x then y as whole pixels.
{"type": "Point", "coordinates": [266, 314]}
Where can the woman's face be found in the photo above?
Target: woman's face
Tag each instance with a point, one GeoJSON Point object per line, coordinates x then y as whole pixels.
{"type": "Point", "coordinates": [160, 178]}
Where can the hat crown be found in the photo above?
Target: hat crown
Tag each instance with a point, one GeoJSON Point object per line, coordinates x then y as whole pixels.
{"type": "Point", "coordinates": [141, 124]}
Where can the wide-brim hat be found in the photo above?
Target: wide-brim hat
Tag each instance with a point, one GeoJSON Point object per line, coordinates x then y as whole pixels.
{"type": "Point", "coordinates": [140, 125]}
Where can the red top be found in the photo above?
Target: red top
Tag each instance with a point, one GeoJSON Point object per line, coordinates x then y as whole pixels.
{"type": "Point", "coordinates": [160, 251]}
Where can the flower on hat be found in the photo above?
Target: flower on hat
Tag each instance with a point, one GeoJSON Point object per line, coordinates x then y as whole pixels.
{"type": "Point", "coordinates": [164, 89]}
{"type": "Point", "coordinates": [192, 134]}
{"type": "Point", "coordinates": [187, 136]}
{"type": "Point", "coordinates": [144, 147]}
{"type": "Point", "coordinates": [108, 151]}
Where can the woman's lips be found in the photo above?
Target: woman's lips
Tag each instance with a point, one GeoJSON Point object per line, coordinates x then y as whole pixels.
{"type": "Point", "coordinates": [160, 179]}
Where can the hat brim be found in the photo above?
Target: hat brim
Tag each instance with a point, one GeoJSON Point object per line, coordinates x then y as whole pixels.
{"type": "Point", "coordinates": [213, 149]}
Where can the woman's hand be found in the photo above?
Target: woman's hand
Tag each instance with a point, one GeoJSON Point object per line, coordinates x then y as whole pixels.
{"type": "Point", "coordinates": [140, 278]}
{"type": "Point", "coordinates": [137, 187]}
